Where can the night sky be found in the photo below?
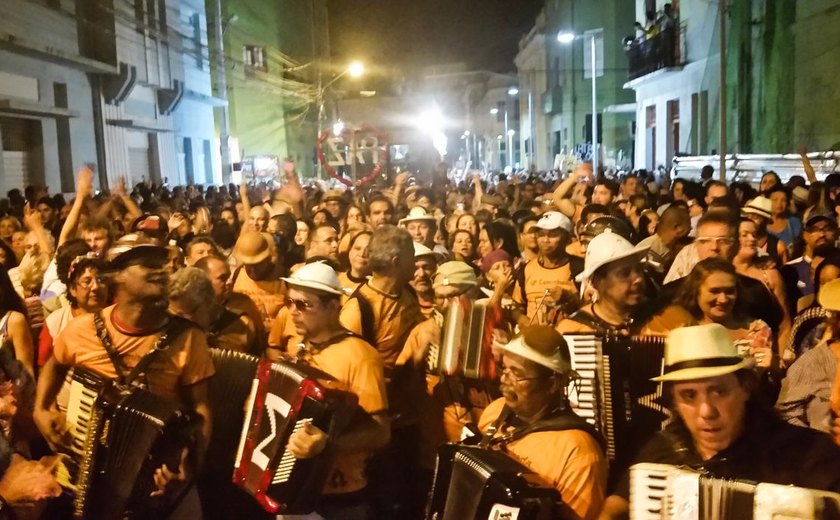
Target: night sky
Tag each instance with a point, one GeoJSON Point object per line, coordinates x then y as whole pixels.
{"type": "Point", "coordinates": [483, 33]}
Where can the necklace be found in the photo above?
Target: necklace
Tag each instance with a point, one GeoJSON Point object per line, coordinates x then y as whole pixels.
{"type": "Point", "coordinates": [623, 325]}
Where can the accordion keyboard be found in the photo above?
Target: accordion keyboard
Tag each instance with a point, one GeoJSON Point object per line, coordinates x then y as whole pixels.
{"type": "Point", "coordinates": [585, 351]}
{"type": "Point", "coordinates": [287, 462]}
{"type": "Point", "coordinates": [648, 486]}
{"type": "Point", "coordinates": [79, 412]}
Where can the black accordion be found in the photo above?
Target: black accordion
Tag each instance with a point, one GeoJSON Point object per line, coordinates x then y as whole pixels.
{"type": "Point", "coordinates": [228, 392]}
{"type": "Point", "coordinates": [477, 483]}
{"type": "Point", "coordinates": [615, 393]}
{"type": "Point", "coordinates": [284, 397]}
{"type": "Point", "coordinates": [120, 436]}
{"type": "Point", "coordinates": [660, 491]}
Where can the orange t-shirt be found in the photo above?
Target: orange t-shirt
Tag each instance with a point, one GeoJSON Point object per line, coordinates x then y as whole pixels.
{"type": "Point", "coordinates": [538, 280]}
{"type": "Point", "coordinates": [393, 319]}
{"type": "Point", "coordinates": [283, 334]}
{"type": "Point", "coordinates": [357, 366]}
{"type": "Point", "coordinates": [186, 362]}
{"type": "Point", "coordinates": [570, 460]}
{"type": "Point", "coordinates": [268, 295]}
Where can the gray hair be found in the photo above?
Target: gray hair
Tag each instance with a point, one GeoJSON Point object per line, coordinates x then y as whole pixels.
{"type": "Point", "coordinates": [386, 243]}
{"type": "Point", "coordinates": [191, 288]}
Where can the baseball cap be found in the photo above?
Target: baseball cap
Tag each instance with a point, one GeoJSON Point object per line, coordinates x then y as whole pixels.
{"type": "Point", "coordinates": [454, 273]}
{"type": "Point", "coordinates": [133, 246]}
{"type": "Point", "coordinates": [551, 220]}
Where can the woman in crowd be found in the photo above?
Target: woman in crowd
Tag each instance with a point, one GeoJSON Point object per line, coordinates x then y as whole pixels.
{"type": "Point", "coordinates": [86, 292]}
{"type": "Point", "coordinates": [784, 226]}
{"type": "Point", "coordinates": [498, 235]}
{"type": "Point", "coordinates": [8, 226]}
{"type": "Point", "coordinates": [356, 261]}
{"type": "Point", "coordinates": [463, 246]}
{"type": "Point", "coordinates": [468, 222]}
{"type": "Point", "coordinates": [15, 333]}
{"type": "Point", "coordinates": [710, 295]}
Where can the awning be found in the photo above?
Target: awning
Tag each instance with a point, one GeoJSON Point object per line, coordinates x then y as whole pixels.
{"type": "Point", "coordinates": [145, 125]}
{"type": "Point", "coordinates": [30, 109]}
{"type": "Point", "coordinates": [37, 50]}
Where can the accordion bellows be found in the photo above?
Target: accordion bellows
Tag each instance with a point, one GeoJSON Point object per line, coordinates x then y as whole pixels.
{"type": "Point", "coordinates": [661, 491]}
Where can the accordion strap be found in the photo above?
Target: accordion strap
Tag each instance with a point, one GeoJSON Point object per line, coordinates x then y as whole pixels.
{"type": "Point", "coordinates": [124, 376]}
{"type": "Point", "coordinates": [565, 419]}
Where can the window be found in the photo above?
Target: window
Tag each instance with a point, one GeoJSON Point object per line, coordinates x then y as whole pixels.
{"type": "Point", "coordinates": [500, 115]}
{"type": "Point", "coordinates": [254, 56]}
{"type": "Point", "coordinates": [198, 52]}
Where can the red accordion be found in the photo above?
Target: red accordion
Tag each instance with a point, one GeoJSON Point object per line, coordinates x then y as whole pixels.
{"type": "Point", "coordinates": [284, 397]}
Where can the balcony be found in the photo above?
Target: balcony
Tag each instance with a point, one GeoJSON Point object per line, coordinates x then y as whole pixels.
{"type": "Point", "coordinates": [662, 51]}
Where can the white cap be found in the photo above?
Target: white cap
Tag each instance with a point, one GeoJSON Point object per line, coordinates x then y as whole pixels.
{"type": "Point", "coordinates": [421, 250]}
{"type": "Point", "coordinates": [606, 248]}
{"type": "Point", "coordinates": [318, 276]}
{"type": "Point", "coordinates": [417, 213]}
{"type": "Point", "coordinates": [551, 220]}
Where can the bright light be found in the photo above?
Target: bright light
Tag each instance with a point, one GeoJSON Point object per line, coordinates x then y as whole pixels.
{"type": "Point", "coordinates": [466, 132]}
{"type": "Point", "coordinates": [494, 111]}
{"type": "Point", "coordinates": [338, 128]}
{"type": "Point", "coordinates": [356, 69]}
{"type": "Point", "coordinates": [566, 37]}
{"type": "Point", "coordinates": [513, 91]}
{"type": "Point", "coordinates": [511, 132]}
{"type": "Point", "coordinates": [430, 121]}
{"type": "Point", "coordinates": [439, 141]}
{"type": "Point", "coordinates": [500, 137]}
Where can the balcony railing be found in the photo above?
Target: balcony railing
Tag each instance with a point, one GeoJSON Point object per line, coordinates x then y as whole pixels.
{"type": "Point", "coordinates": [661, 51]}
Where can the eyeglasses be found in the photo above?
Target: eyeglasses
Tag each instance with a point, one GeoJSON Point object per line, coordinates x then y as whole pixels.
{"type": "Point", "coordinates": [505, 371]}
{"type": "Point", "coordinates": [87, 283]}
{"type": "Point", "coordinates": [721, 241]}
{"type": "Point", "coordinates": [300, 305]}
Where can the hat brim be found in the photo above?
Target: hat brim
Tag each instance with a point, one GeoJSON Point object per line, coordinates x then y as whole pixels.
{"type": "Point", "coordinates": [518, 347]}
{"type": "Point", "coordinates": [691, 374]}
{"type": "Point", "coordinates": [759, 212]}
{"type": "Point", "coordinates": [315, 286]}
{"type": "Point", "coordinates": [635, 252]}
{"type": "Point", "coordinates": [251, 259]}
{"type": "Point", "coordinates": [139, 251]}
{"type": "Point", "coordinates": [416, 219]}
{"type": "Point", "coordinates": [812, 220]}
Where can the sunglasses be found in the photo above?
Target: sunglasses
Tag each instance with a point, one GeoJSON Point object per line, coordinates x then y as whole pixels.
{"type": "Point", "coordinates": [300, 305]}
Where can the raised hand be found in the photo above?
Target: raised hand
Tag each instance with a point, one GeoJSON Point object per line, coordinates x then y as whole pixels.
{"type": "Point", "coordinates": [84, 182]}
{"type": "Point", "coordinates": [32, 217]}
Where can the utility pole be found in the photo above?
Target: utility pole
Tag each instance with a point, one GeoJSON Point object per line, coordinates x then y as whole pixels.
{"type": "Point", "coordinates": [221, 87]}
{"type": "Point", "coordinates": [722, 144]}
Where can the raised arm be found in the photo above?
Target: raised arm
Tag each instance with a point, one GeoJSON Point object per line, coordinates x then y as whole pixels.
{"type": "Point", "coordinates": [806, 164]}
{"type": "Point", "coordinates": [84, 189]}
{"type": "Point", "coordinates": [130, 206]}
{"type": "Point", "coordinates": [479, 191]}
{"type": "Point", "coordinates": [33, 222]}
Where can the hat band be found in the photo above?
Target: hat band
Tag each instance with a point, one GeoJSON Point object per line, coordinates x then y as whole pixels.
{"type": "Point", "coordinates": [704, 363]}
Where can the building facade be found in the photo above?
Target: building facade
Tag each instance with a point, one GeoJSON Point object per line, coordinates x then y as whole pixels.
{"type": "Point", "coordinates": [102, 82]}
{"type": "Point", "coordinates": [276, 54]}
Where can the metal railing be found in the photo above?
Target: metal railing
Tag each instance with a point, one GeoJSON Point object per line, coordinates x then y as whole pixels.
{"type": "Point", "coordinates": [660, 51]}
{"type": "Point", "coordinates": [751, 167]}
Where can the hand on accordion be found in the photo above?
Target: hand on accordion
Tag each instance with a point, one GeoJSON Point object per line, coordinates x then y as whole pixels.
{"type": "Point", "coordinates": [53, 426]}
{"type": "Point", "coordinates": [28, 481]}
{"type": "Point", "coordinates": [168, 481]}
{"type": "Point", "coordinates": [307, 442]}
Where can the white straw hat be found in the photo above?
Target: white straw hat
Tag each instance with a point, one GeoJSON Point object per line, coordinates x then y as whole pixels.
{"type": "Point", "coordinates": [417, 213]}
{"type": "Point", "coordinates": [559, 360]}
{"type": "Point", "coordinates": [700, 352]}
{"type": "Point", "coordinates": [317, 276]}
{"type": "Point", "coordinates": [606, 248]}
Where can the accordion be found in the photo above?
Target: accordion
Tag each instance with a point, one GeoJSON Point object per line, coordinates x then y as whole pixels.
{"type": "Point", "coordinates": [228, 391]}
{"type": "Point", "coordinates": [473, 482]}
{"type": "Point", "coordinates": [615, 393]}
{"type": "Point", "coordinates": [660, 491]}
{"type": "Point", "coordinates": [284, 397]}
{"type": "Point", "coordinates": [462, 351]}
{"type": "Point", "coordinates": [119, 437]}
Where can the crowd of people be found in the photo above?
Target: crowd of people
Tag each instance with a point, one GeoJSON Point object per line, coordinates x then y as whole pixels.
{"type": "Point", "coordinates": [742, 280]}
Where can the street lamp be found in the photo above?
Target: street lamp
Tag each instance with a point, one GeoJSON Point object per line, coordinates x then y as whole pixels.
{"type": "Point", "coordinates": [494, 111]}
{"type": "Point", "coordinates": [513, 91]}
{"type": "Point", "coordinates": [566, 38]}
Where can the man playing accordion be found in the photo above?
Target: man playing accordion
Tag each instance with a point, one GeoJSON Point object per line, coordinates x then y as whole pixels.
{"type": "Point", "coordinates": [534, 424]}
{"type": "Point", "coordinates": [177, 371]}
{"type": "Point", "coordinates": [721, 426]}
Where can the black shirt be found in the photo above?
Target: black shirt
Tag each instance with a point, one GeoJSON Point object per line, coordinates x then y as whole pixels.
{"type": "Point", "coordinates": [770, 450]}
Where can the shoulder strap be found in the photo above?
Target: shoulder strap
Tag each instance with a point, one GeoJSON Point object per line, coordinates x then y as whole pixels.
{"type": "Point", "coordinates": [235, 275]}
{"type": "Point", "coordinates": [224, 320]}
{"type": "Point", "coordinates": [366, 313]}
{"type": "Point", "coordinates": [105, 339]}
{"type": "Point", "coordinates": [586, 319]}
{"type": "Point", "coordinates": [172, 331]}
{"type": "Point", "coordinates": [565, 420]}
{"type": "Point", "coordinates": [519, 275]}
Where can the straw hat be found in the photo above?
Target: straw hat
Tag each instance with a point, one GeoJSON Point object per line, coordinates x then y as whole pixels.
{"type": "Point", "coordinates": [606, 248]}
{"type": "Point", "coordinates": [422, 250]}
{"type": "Point", "coordinates": [829, 296]}
{"type": "Point", "coordinates": [542, 345]}
{"type": "Point", "coordinates": [133, 246]}
{"type": "Point", "coordinates": [317, 276]}
{"type": "Point", "coordinates": [417, 213]}
{"type": "Point", "coordinates": [700, 352]}
{"type": "Point", "coordinates": [761, 206]}
{"type": "Point", "coordinates": [252, 248]}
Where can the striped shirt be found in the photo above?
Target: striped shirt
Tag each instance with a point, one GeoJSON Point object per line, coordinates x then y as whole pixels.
{"type": "Point", "coordinates": [804, 399]}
